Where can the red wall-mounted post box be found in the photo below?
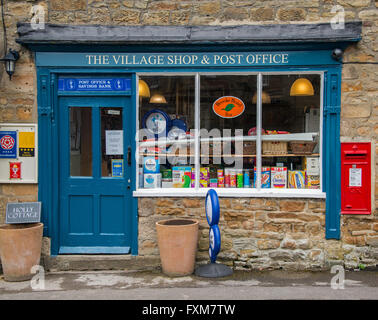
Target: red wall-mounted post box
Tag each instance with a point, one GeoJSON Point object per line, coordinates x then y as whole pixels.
{"type": "Point", "coordinates": [355, 178]}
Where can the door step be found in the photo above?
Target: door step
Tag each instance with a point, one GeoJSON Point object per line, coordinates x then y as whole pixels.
{"type": "Point", "coordinates": [100, 262]}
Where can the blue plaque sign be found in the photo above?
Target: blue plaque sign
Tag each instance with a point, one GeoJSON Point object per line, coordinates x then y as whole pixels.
{"type": "Point", "coordinates": [88, 84]}
{"type": "Point", "coordinates": [8, 144]}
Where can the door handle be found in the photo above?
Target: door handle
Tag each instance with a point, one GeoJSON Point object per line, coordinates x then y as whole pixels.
{"type": "Point", "coordinates": [129, 156]}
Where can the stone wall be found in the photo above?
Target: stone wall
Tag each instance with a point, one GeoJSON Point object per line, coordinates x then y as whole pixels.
{"type": "Point", "coordinates": [259, 234]}
{"type": "Point", "coordinates": [262, 232]}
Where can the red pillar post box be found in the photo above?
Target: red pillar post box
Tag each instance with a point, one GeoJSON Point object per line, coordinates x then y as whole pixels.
{"type": "Point", "coordinates": [355, 178]}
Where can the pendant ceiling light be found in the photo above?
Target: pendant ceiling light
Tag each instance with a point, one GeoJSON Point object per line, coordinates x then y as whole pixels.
{"type": "Point", "coordinates": [265, 97]}
{"type": "Point", "coordinates": [302, 87]}
{"type": "Point", "coordinates": [144, 90]}
{"type": "Point", "coordinates": [158, 98]}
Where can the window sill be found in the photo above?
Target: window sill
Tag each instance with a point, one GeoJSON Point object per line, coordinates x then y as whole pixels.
{"type": "Point", "coordinates": [240, 193]}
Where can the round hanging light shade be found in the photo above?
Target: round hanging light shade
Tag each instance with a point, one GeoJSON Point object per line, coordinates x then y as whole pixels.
{"type": "Point", "coordinates": [144, 90]}
{"type": "Point", "coordinates": [265, 97]}
{"type": "Point", "coordinates": [158, 98]}
{"type": "Point", "coordinates": [302, 87]}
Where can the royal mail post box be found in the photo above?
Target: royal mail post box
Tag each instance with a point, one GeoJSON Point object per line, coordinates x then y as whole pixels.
{"type": "Point", "coordinates": [355, 178]}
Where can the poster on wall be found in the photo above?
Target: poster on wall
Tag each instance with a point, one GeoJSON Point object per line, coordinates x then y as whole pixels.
{"type": "Point", "coordinates": [8, 144]}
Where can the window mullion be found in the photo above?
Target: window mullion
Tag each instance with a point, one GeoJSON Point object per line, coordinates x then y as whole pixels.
{"type": "Point", "coordinates": [197, 130]}
{"type": "Point", "coordinates": [258, 131]}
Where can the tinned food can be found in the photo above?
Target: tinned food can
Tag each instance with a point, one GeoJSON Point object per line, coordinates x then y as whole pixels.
{"type": "Point", "coordinates": [239, 180]}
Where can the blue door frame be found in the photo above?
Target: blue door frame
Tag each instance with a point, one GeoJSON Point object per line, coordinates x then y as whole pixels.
{"type": "Point", "coordinates": [50, 65]}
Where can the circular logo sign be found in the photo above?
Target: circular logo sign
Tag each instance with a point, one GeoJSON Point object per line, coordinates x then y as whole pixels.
{"type": "Point", "coordinates": [7, 142]}
{"type": "Point", "coordinates": [228, 107]}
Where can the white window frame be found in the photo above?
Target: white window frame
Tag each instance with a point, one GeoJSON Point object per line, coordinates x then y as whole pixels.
{"type": "Point", "coordinates": [231, 192]}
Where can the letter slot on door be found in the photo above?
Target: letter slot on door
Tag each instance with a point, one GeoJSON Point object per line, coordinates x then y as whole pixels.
{"type": "Point", "coordinates": [355, 178]}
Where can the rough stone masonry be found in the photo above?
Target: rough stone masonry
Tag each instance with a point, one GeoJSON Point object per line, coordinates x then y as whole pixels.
{"type": "Point", "coordinates": [257, 233]}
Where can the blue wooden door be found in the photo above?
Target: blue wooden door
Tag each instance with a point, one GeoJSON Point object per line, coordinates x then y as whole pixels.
{"type": "Point", "coordinates": [95, 175]}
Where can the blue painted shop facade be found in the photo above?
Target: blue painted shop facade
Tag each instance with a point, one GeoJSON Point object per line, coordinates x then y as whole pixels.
{"type": "Point", "coordinates": [98, 213]}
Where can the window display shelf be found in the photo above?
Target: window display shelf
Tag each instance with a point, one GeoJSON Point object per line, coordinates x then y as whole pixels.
{"type": "Point", "coordinates": [231, 155]}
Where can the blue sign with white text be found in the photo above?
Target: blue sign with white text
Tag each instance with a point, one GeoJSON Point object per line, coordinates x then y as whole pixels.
{"type": "Point", "coordinates": [88, 84]}
{"type": "Point", "coordinates": [8, 144]}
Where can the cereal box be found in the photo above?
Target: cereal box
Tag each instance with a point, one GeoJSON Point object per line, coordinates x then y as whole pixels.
{"type": "Point", "coordinates": [296, 179]}
{"type": "Point", "coordinates": [181, 177]}
{"type": "Point", "coordinates": [278, 177]}
{"type": "Point", "coordinates": [265, 177]}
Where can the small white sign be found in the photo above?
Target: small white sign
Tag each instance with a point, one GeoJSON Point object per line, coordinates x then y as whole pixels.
{"type": "Point", "coordinates": [114, 142]}
{"type": "Point", "coordinates": [355, 177]}
{"type": "Point", "coordinates": [312, 167]}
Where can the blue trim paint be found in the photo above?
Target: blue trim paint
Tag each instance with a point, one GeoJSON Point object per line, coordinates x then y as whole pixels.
{"type": "Point", "coordinates": [51, 65]}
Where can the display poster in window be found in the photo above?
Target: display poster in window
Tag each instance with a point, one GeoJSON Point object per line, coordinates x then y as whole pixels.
{"type": "Point", "coordinates": [355, 177]}
{"type": "Point", "coordinates": [114, 142]}
{"type": "Point", "coordinates": [117, 168]}
{"type": "Point", "coordinates": [8, 144]}
{"type": "Point", "coordinates": [26, 144]}
{"type": "Point", "coordinates": [228, 107]}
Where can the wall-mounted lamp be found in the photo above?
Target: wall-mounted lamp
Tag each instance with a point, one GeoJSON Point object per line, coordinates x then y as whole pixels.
{"type": "Point", "coordinates": [144, 90]}
{"type": "Point", "coordinates": [302, 87]}
{"type": "Point", "coordinates": [10, 62]}
{"type": "Point", "coordinates": [158, 98]}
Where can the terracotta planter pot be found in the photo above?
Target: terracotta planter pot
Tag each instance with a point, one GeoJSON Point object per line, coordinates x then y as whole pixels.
{"type": "Point", "coordinates": [20, 250]}
{"type": "Point", "coordinates": [177, 241]}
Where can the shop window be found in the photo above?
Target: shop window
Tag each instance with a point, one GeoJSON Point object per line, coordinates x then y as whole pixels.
{"type": "Point", "coordinates": [250, 131]}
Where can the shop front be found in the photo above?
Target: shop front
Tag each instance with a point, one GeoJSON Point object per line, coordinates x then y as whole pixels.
{"type": "Point", "coordinates": [135, 127]}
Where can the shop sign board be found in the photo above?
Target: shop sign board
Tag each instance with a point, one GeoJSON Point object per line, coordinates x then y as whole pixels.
{"type": "Point", "coordinates": [23, 212]}
{"type": "Point", "coordinates": [187, 59]}
{"type": "Point", "coordinates": [97, 84]}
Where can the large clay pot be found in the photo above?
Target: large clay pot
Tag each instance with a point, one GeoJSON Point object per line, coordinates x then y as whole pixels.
{"type": "Point", "coordinates": [177, 241]}
{"type": "Point", "coordinates": [20, 250]}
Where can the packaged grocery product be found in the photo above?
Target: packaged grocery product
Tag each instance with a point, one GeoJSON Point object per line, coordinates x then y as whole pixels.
{"type": "Point", "coordinates": [239, 179]}
{"type": "Point", "coordinates": [265, 177]}
{"type": "Point", "coordinates": [246, 178]}
{"type": "Point", "coordinates": [220, 182]}
{"type": "Point", "coordinates": [233, 179]}
{"type": "Point", "coordinates": [193, 177]}
{"type": "Point", "coordinates": [313, 181]}
{"type": "Point", "coordinates": [213, 183]}
{"type": "Point", "coordinates": [166, 174]}
{"type": "Point", "coordinates": [151, 165]}
{"type": "Point", "coordinates": [278, 177]}
{"type": "Point", "coordinates": [166, 183]}
{"type": "Point", "coordinates": [227, 178]}
{"type": "Point", "coordinates": [204, 177]}
{"type": "Point", "coordinates": [296, 179]}
{"type": "Point", "coordinates": [152, 180]}
{"type": "Point", "coordinates": [181, 177]}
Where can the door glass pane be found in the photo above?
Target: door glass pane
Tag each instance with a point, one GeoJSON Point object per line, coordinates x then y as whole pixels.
{"type": "Point", "coordinates": [111, 142]}
{"type": "Point", "coordinates": [81, 141]}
